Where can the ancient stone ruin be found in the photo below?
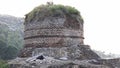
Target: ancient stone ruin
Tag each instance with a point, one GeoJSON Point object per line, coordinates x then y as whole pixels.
{"type": "Point", "coordinates": [54, 38]}
{"type": "Point", "coordinates": [56, 31]}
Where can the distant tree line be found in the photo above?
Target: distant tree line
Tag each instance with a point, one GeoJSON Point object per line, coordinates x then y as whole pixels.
{"type": "Point", "coordinates": [11, 41]}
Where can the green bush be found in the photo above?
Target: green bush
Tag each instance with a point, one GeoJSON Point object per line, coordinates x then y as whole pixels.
{"type": "Point", "coordinates": [65, 9]}
{"type": "Point", "coordinates": [51, 10]}
{"type": "Point", "coordinates": [9, 52]}
{"type": "Point", "coordinates": [3, 64]}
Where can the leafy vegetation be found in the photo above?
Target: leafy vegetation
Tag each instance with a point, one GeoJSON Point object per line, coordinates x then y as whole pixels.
{"type": "Point", "coordinates": [11, 41]}
{"type": "Point", "coordinates": [65, 9]}
{"type": "Point", "coordinates": [51, 10]}
{"type": "Point", "coordinates": [3, 64]}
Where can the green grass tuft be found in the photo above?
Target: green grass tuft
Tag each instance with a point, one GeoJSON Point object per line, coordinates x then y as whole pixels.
{"type": "Point", "coordinates": [51, 10]}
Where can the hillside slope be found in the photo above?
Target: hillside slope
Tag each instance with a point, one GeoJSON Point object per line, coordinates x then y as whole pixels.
{"type": "Point", "coordinates": [11, 36]}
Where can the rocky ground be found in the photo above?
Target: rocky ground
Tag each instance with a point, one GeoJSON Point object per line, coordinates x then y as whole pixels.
{"type": "Point", "coordinates": [50, 62]}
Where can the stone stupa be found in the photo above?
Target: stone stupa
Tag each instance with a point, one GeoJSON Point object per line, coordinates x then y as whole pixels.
{"type": "Point", "coordinates": [55, 31]}
{"type": "Point", "coordinates": [54, 39]}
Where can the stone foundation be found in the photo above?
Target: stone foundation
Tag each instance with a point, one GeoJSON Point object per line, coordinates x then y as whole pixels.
{"type": "Point", "coordinates": [73, 52]}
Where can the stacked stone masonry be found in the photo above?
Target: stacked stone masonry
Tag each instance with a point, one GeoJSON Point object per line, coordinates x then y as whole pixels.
{"type": "Point", "coordinates": [52, 31]}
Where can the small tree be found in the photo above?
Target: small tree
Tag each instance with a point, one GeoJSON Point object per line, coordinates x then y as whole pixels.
{"type": "Point", "coordinates": [2, 46]}
{"type": "Point", "coordinates": [10, 52]}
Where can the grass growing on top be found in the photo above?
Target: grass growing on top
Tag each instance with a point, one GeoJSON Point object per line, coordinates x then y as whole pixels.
{"type": "Point", "coordinates": [51, 10]}
{"type": "Point", "coordinates": [65, 9]}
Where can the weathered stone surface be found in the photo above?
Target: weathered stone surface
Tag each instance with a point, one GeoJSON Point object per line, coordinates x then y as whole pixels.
{"type": "Point", "coordinates": [113, 63]}
{"type": "Point", "coordinates": [50, 62]}
{"type": "Point", "coordinates": [79, 52]}
{"type": "Point", "coordinates": [51, 42]}
{"type": "Point", "coordinates": [75, 51]}
{"type": "Point", "coordinates": [53, 32]}
{"type": "Point", "coordinates": [52, 29]}
{"type": "Point", "coordinates": [58, 29]}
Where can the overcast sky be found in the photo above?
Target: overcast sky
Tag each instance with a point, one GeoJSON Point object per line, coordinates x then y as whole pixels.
{"type": "Point", "coordinates": [101, 19]}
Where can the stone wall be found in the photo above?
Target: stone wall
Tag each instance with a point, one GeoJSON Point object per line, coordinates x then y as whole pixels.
{"type": "Point", "coordinates": [53, 31]}
{"type": "Point", "coordinates": [79, 52]}
{"type": "Point", "coordinates": [59, 31]}
{"type": "Point", "coordinates": [53, 37]}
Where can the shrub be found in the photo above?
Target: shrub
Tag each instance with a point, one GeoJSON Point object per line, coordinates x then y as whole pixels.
{"type": "Point", "coordinates": [10, 52]}
{"type": "Point", "coordinates": [51, 10]}
{"type": "Point", "coordinates": [3, 64]}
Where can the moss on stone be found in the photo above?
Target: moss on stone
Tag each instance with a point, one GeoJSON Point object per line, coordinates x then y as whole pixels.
{"type": "Point", "coordinates": [43, 11]}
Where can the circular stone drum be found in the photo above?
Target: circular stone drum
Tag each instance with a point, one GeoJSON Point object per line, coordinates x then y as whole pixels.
{"type": "Point", "coordinates": [44, 28]}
